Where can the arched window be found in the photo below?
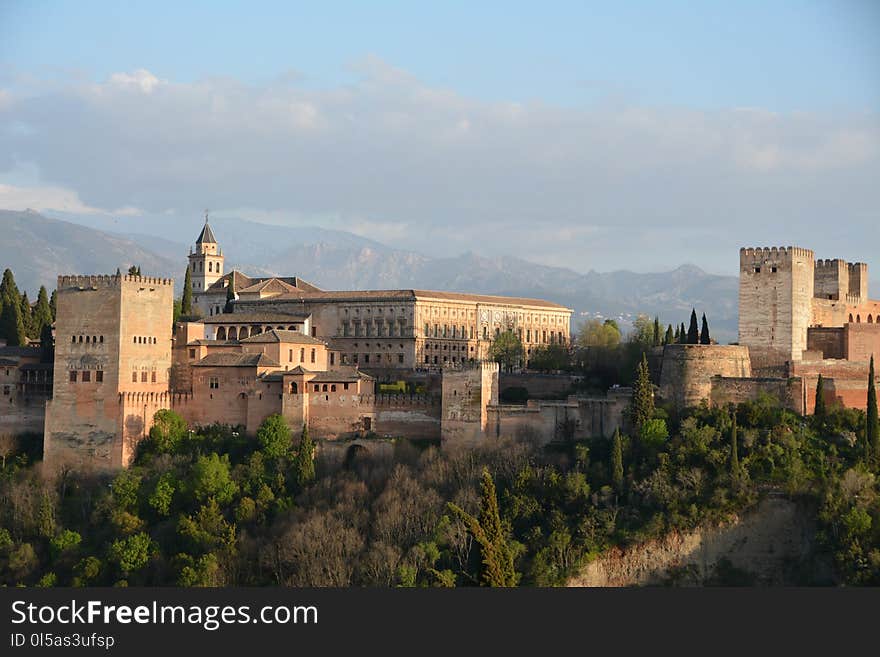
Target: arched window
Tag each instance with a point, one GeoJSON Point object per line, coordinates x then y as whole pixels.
{"type": "Point", "coordinates": [233, 333]}
{"type": "Point", "coordinates": [101, 339]}
{"type": "Point", "coordinates": [870, 319]}
{"type": "Point", "coordinates": [242, 333]}
{"type": "Point", "coordinates": [210, 266]}
{"type": "Point", "coordinates": [294, 389]}
{"type": "Point", "coordinates": [858, 319]}
{"type": "Point", "coordinates": [333, 388]}
{"type": "Point", "coordinates": [850, 318]}
{"type": "Point", "coordinates": [221, 333]}
{"type": "Point", "coordinates": [87, 339]}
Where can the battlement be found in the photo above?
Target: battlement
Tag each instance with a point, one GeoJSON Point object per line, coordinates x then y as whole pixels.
{"type": "Point", "coordinates": [825, 263]}
{"type": "Point", "coordinates": [853, 299]}
{"type": "Point", "coordinates": [747, 254]}
{"type": "Point", "coordinates": [168, 398]}
{"type": "Point", "coordinates": [94, 282]}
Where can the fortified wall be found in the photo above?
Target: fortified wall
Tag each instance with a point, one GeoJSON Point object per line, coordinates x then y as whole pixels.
{"type": "Point", "coordinates": [687, 370]}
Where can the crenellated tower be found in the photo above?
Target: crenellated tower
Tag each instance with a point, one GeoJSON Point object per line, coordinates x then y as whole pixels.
{"type": "Point", "coordinates": [776, 287]}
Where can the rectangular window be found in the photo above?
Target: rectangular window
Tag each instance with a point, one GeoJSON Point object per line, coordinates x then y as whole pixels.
{"type": "Point", "coordinates": [366, 358]}
{"type": "Point", "coordinates": [143, 377]}
{"type": "Point", "coordinates": [333, 358]}
{"type": "Point", "coordinates": [400, 358]}
{"type": "Point", "coordinates": [99, 376]}
{"type": "Point", "coordinates": [134, 377]}
{"type": "Point", "coordinates": [73, 376]}
{"type": "Point", "coordinates": [313, 356]}
{"type": "Point", "coordinates": [314, 332]}
{"type": "Point", "coordinates": [290, 355]}
{"type": "Point", "coordinates": [153, 377]}
{"type": "Point", "coordinates": [192, 353]}
{"type": "Point", "coordinates": [302, 355]}
{"type": "Point", "coordinates": [87, 376]}
{"type": "Point", "coordinates": [213, 382]}
{"type": "Point", "coordinates": [345, 386]}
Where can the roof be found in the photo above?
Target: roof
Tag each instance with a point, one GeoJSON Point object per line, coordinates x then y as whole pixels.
{"type": "Point", "coordinates": [5, 362]}
{"type": "Point", "coordinates": [236, 360]}
{"type": "Point", "coordinates": [341, 375]}
{"type": "Point", "coordinates": [7, 351]}
{"type": "Point", "coordinates": [201, 342]}
{"type": "Point", "coordinates": [281, 336]}
{"type": "Point", "coordinates": [277, 284]}
{"type": "Point", "coordinates": [411, 295]}
{"type": "Point", "coordinates": [28, 367]}
{"type": "Point", "coordinates": [243, 282]}
{"type": "Point", "coordinates": [206, 236]}
{"type": "Point", "coordinates": [256, 318]}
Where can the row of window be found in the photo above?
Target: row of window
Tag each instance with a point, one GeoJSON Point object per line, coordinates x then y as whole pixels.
{"type": "Point", "coordinates": [143, 377]}
{"type": "Point", "coordinates": [365, 358]}
{"type": "Point", "coordinates": [85, 376]}
{"type": "Point", "coordinates": [236, 333]}
{"type": "Point", "coordinates": [858, 319]}
{"type": "Point", "coordinates": [446, 332]}
{"type": "Point", "coordinates": [89, 339]}
{"type": "Point", "coordinates": [143, 339]}
{"type": "Point", "coordinates": [446, 359]}
{"type": "Point", "coordinates": [201, 266]}
{"type": "Point", "coordinates": [453, 347]}
{"type": "Point", "coordinates": [302, 355]}
{"type": "Point", "coordinates": [378, 328]}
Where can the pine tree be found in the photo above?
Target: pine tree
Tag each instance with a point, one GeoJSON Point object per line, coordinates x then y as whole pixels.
{"type": "Point", "coordinates": [186, 301]}
{"type": "Point", "coordinates": [230, 295]}
{"type": "Point", "coordinates": [617, 461]}
{"type": "Point", "coordinates": [305, 459]}
{"type": "Point", "coordinates": [27, 315]}
{"type": "Point", "coordinates": [490, 534]}
{"type": "Point", "coordinates": [642, 405]}
{"type": "Point", "coordinates": [693, 334]}
{"type": "Point", "coordinates": [670, 335]}
{"type": "Point", "coordinates": [47, 344]}
{"type": "Point", "coordinates": [820, 411]}
{"type": "Point", "coordinates": [11, 325]}
{"type": "Point", "coordinates": [872, 431]}
{"type": "Point", "coordinates": [704, 332]}
{"type": "Point", "coordinates": [42, 311]}
{"type": "Point", "coordinates": [8, 289]}
{"type": "Point", "coordinates": [656, 331]}
{"type": "Point", "coordinates": [734, 456]}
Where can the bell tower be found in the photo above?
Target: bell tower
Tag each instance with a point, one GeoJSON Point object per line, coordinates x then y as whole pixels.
{"type": "Point", "coordinates": [205, 262]}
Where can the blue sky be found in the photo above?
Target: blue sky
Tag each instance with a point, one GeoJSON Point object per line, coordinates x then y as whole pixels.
{"type": "Point", "coordinates": [588, 134]}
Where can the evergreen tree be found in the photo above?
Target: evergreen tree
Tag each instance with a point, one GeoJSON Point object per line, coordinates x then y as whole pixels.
{"type": "Point", "coordinates": [820, 411]}
{"type": "Point", "coordinates": [11, 325]}
{"type": "Point", "coordinates": [27, 319]}
{"type": "Point", "coordinates": [8, 289]}
{"type": "Point", "coordinates": [305, 459]}
{"type": "Point", "coordinates": [682, 334]}
{"type": "Point", "coordinates": [230, 296]}
{"type": "Point", "coordinates": [704, 332]}
{"type": "Point", "coordinates": [53, 304]}
{"type": "Point", "coordinates": [617, 461]}
{"type": "Point", "coordinates": [734, 456]}
{"type": "Point", "coordinates": [642, 405]}
{"type": "Point", "coordinates": [42, 311]}
{"type": "Point", "coordinates": [134, 270]}
{"type": "Point", "coordinates": [693, 334]}
{"type": "Point", "coordinates": [657, 335]}
{"type": "Point", "coordinates": [872, 431]}
{"type": "Point", "coordinates": [677, 334]}
{"type": "Point", "coordinates": [491, 535]}
{"type": "Point", "coordinates": [47, 344]}
{"type": "Point", "coordinates": [670, 335]}
{"type": "Point", "coordinates": [186, 301]}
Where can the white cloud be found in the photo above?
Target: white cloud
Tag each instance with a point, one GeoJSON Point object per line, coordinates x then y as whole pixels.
{"type": "Point", "coordinates": [431, 169]}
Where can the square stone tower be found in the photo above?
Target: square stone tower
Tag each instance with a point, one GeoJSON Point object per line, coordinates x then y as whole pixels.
{"type": "Point", "coordinates": [776, 288]}
{"type": "Point", "coordinates": [113, 341]}
{"type": "Point", "coordinates": [466, 393]}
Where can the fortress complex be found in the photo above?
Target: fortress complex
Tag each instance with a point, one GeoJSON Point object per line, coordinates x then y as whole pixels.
{"type": "Point", "coordinates": [280, 345]}
{"type": "Point", "coordinates": [799, 317]}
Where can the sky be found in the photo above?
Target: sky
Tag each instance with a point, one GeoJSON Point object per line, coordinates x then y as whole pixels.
{"type": "Point", "coordinates": [590, 135]}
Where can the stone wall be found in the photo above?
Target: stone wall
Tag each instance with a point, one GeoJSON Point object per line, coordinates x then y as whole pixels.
{"type": "Point", "coordinates": [763, 542]}
{"type": "Point", "coordinates": [540, 386]}
{"type": "Point", "coordinates": [727, 390]}
{"type": "Point", "coordinates": [687, 370]}
{"type": "Point", "coordinates": [467, 394]}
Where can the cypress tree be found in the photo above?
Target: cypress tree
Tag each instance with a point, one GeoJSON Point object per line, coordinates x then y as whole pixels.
{"type": "Point", "coordinates": [669, 338]}
{"type": "Point", "coordinates": [230, 295]}
{"type": "Point", "coordinates": [47, 344]}
{"type": "Point", "coordinates": [872, 431]}
{"type": "Point", "coordinates": [820, 410]}
{"type": "Point", "coordinates": [642, 405]}
{"type": "Point", "coordinates": [656, 331]}
{"type": "Point", "coordinates": [617, 461]}
{"type": "Point", "coordinates": [42, 311]}
{"type": "Point", "coordinates": [186, 301]}
{"type": "Point", "coordinates": [11, 325]}
{"type": "Point", "coordinates": [704, 332]}
{"type": "Point", "coordinates": [27, 316]}
{"type": "Point", "coordinates": [734, 457]}
{"type": "Point", "coordinates": [305, 459]}
{"type": "Point", "coordinates": [490, 534]}
{"type": "Point", "coordinates": [682, 334]}
{"type": "Point", "coordinates": [53, 304]}
{"type": "Point", "coordinates": [8, 289]}
{"type": "Point", "coordinates": [693, 334]}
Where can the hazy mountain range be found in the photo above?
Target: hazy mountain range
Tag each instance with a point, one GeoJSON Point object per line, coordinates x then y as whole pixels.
{"type": "Point", "coordinates": [38, 248]}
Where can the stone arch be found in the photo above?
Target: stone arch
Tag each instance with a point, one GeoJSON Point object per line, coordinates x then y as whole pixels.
{"type": "Point", "coordinates": [850, 318]}
{"type": "Point", "coordinates": [858, 319]}
{"type": "Point", "coordinates": [242, 333]}
{"type": "Point", "coordinates": [294, 388]}
{"type": "Point", "coordinates": [233, 333]}
{"type": "Point", "coordinates": [353, 454]}
{"type": "Point", "coordinates": [221, 333]}
{"type": "Point", "coordinates": [870, 319]}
